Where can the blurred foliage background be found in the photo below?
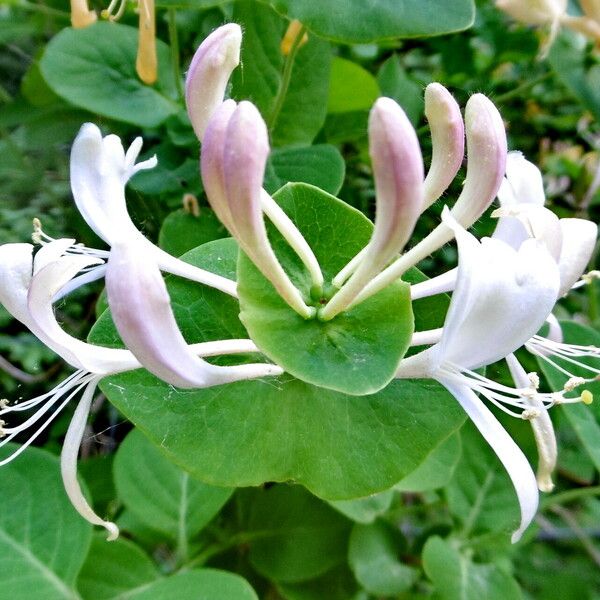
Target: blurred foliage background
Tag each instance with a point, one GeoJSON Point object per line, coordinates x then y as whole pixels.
{"type": "Point", "coordinates": [443, 535]}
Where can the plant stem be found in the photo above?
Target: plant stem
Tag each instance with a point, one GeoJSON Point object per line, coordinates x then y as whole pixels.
{"type": "Point", "coordinates": [174, 44]}
{"type": "Point", "coordinates": [570, 496]}
{"type": "Point", "coordinates": [285, 79]}
{"type": "Point", "coordinates": [582, 535]}
{"type": "Point", "coordinates": [521, 88]}
{"type": "Point", "coordinates": [42, 8]}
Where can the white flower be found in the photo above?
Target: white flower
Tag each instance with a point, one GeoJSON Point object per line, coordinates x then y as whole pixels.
{"type": "Point", "coordinates": [501, 299]}
{"type": "Point", "coordinates": [28, 286]}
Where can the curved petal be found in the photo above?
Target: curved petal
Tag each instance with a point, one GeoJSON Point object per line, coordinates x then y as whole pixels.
{"type": "Point", "coordinates": [479, 328]}
{"type": "Point", "coordinates": [211, 162]}
{"type": "Point", "coordinates": [245, 156]}
{"type": "Point", "coordinates": [398, 170]}
{"type": "Point", "coordinates": [536, 12]}
{"type": "Point", "coordinates": [211, 67]}
{"type": "Point", "coordinates": [142, 313]}
{"type": "Point", "coordinates": [16, 265]}
{"type": "Point", "coordinates": [486, 164]}
{"type": "Point", "coordinates": [447, 138]}
{"type": "Point", "coordinates": [68, 463]}
{"type": "Point", "coordinates": [508, 452]}
{"type": "Point", "coordinates": [44, 286]}
{"type": "Point", "coordinates": [578, 242]}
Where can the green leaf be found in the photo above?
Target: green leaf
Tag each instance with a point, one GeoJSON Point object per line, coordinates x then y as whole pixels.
{"type": "Point", "coordinates": [337, 584]}
{"type": "Point", "coordinates": [351, 88]}
{"type": "Point", "coordinates": [303, 110]}
{"type": "Point", "coordinates": [374, 558]}
{"type": "Point", "coordinates": [43, 541]}
{"type": "Point", "coordinates": [303, 537]}
{"type": "Point", "coordinates": [321, 165]}
{"type": "Point", "coordinates": [584, 419]}
{"type": "Point", "coordinates": [436, 471]}
{"type": "Point", "coordinates": [280, 429]}
{"type": "Point", "coordinates": [94, 68]}
{"type": "Point", "coordinates": [568, 60]}
{"type": "Point", "coordinates": [114, 568]}
{"type": "Point", "coordinates": [354, 21]}
{"type": "Point", "coordinates": [396, 84]}
{"type": "Point", "coordinates": [160, 494]}
{"type": "Point", "coordinates": [480, 494]}
{"type": "Point", "coordinates": [358, 351]}
{"type": "Point", "coordinates": [198, 584]}
{"type": "Point", "coordinates": [182, 231]}
{"type": "Point", "coordinates": [365, 510]}
{"type": "Point", "coordinates": [456, 577]}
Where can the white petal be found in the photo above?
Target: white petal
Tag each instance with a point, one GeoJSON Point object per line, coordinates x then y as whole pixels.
{"type": "Point", "coordinates": [142, 313]}
{"type": "Point", "coordinates": [209, 72]}
{"type": "Point", "coordinates": [16, 265]}
{"type": "Point", "coordinates": [578, 241]}
{"type": "Point", "coordinates": [525, 180]}
{"type": "Point", "coordinates": [50, 252]}
{"type": "Point", "coordinates": [68, 463]}
{"type": "Point", "coordinates": [508, 452]}
{"type": "Point", "coordinates": [447, 140]}
{"type": "Point", "coordinates": [502, 297]}
{"type": "Point", "coordinates": [81, 355]}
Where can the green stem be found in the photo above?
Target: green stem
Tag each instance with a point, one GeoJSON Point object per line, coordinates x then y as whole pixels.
{"type": "Point", "coordinates": [521, 88]}
{"type": "Point", "coordinates": [286, 77]}
{"type": "Point", "coordinates": [174, 44]}
{"type": "Point", "coordinates": [570, 496]}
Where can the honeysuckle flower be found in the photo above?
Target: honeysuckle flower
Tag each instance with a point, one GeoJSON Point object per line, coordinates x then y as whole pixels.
{"type": "Point", "coordinates": [486, 150]}
{"type": "Point", "coordinates": [146, 63]}
{"type": "Point", "coordinates": [398, 172]}
{"type": "Point", "coordinates": [552, 14]}
{"type": "Point", "coordinates": [480, 330]}
{"type": "Point", "coordinates": [233, 161]}
{"type": "Point", "coordinates": [28, 286]}
{"type": "Point", "coordinates": [141, 310]}
{"type": "Point", "coordinates": [100, 169]}
{"type": "Point", "coordinates": [81, 15]}
{"type": "Point", "coordinates": [448, 144]}
{"type": "Point", "coordinates": [206, 82]}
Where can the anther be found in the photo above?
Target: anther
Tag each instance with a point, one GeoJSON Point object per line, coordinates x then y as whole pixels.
{"type": "Point", "coordinates": [534, 379]}
{"type": "Point", "coordinates": [190, 205]}
{"type": "Point", "coordinates": [530, 413]}
{"type": "Point", "coordinates": [572, 383]}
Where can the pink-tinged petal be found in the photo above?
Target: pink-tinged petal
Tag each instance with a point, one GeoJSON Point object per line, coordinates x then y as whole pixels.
{"type": "Point", "coordinates": [211, 162]}
{"type": "Point", "coordinates": [578, 242]}
{"type": "Point", "coordinates": [16, 265]}
{"type": "Point", "coordinates": [45, 284]}
{"type": "Point", "coordinates": [486, 153]}
{"type": "Point", "coordinates": [541, 425]}
{"type": "Point", "coordinates": [209, 73]}
{"type": "Point", "coordinates": [68, 463]}
{"type": "Point", "coordinates": [448, 140]}
{"type": "Point", "coordinates": [508, 452]}
{"type": "Point", "coordinates": [398, 171]}
{"type": "Point", "coordinates": [142, 313]}
{"type": "Point", "coordinates": [245, 156]}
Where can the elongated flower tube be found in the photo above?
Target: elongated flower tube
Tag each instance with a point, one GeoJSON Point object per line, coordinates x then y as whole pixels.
{"type": "Point", "coordinates": [81, 15]}
{"type": "Point", "coordinates": [398, 171]}
{"type": "Point", "coordinates": [486, 150]}
{"type": "Point", "coordinates": [233, 163]}
{"type": "Point", "coordinates": [209, 73]}
{"type": "Point", "coordinates": [141, 310]}
{"type": "Point", "coordinates": [534, 12]}
{"type": "Point", "coordinates": [146, 63]}
{"type": "Point", "coordinates": [479, 330]}
{"type": "Point", "coordinates": [447, 140]}
{"type": "Point", "coordinates": [100, 168]}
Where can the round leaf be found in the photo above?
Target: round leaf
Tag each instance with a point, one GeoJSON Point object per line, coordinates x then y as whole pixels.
{"type": "Point", "coordinates": [280, 429]}
{"type": "Point", "coordinates": [94, 68]}
{"type": "Point", "coordinates": [358, 351]}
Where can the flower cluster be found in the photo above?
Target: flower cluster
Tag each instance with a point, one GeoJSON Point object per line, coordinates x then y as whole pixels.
{"type": "Point", "coordinates": [503, 289]}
